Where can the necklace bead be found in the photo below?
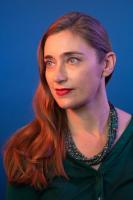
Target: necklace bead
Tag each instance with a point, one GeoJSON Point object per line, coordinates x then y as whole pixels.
{"type": "Point", "coordinates": [73, 151]}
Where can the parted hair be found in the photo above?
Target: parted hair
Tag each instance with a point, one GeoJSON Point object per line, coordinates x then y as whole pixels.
{"type": "Point", "coordinates": [34, 154]}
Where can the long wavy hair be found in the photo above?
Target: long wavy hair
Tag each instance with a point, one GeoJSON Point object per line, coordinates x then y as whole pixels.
{"type": "Point", "coordinates": [35, 153]}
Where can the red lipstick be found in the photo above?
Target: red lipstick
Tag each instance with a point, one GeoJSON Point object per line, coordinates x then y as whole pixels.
{"type": "Point", "coordinates": [63, 91]}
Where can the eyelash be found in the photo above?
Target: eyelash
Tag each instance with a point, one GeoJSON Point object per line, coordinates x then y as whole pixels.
{"type": "Point", "coordinates": [49, 61]}
{"type": "Point", "coordinates": [68, 61]}
{"type": "Point", "coordinates": [73, 58]}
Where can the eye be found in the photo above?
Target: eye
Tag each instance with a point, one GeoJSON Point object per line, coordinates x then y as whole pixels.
{"type": "Point", "coordinates": [73, 60]}
{"type": "Point", "coordinates": [49, 63]}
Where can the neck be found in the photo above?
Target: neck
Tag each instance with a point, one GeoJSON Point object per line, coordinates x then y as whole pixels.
{"type": "Point", "coordinates": [90, 119]}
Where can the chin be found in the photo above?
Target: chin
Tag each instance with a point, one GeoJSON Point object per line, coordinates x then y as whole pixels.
{"type": "Point", "coordinates": [71, 105]}
{"type": "Point", "coordinates": [65, 105]}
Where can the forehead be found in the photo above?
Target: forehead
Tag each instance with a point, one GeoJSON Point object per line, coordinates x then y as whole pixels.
{"type": "Point", "coordinates": [64, 41]}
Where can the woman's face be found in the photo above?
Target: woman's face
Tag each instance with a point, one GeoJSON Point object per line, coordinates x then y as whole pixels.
{"type": "Point", "coordinates": [73, 72]}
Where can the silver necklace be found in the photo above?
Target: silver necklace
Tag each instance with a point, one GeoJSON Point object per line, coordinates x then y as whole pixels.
{"type": "Point", "coordinates": [73, 151]}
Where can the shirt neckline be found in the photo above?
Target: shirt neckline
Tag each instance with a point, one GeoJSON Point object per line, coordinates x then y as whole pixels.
{"type": "Point", "coordinates": [119, 145]}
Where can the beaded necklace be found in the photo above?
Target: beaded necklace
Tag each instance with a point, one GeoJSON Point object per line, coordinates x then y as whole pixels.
{"type": "Point", "coordinates": [73, 151]}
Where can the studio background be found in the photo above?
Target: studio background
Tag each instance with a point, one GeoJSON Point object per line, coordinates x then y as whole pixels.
{"type": "Point", "coordinates": [22, 23]}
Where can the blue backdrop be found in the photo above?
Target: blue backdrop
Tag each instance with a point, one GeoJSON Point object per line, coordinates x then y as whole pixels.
{"type": "Point", "coordinates": [22, 23]}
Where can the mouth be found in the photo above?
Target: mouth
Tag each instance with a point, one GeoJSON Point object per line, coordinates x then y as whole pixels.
{"type": "Point", "coordinates": [63, 91]}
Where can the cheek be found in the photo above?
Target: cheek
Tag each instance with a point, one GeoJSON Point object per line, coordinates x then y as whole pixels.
{"type": "Point", "coordinates": [48, 79]}
{"type": "Point", "coordinates": [88, 82]}
{"type": "Point", "coordinates": [85, 77]}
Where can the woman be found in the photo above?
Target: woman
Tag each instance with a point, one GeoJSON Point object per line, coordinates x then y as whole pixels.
{"type": "Point", "coordinates": [79, 146]}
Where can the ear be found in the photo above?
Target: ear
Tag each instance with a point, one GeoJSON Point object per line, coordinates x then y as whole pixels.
{"type": "Point", "coordinates": [109, 64]}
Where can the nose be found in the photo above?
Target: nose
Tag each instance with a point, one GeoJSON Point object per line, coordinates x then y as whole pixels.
{"type": "Point", "coordinates": [60, 74]}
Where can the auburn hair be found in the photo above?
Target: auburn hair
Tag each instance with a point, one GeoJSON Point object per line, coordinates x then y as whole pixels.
{"type": "Point", "coordinates": [35, 152]}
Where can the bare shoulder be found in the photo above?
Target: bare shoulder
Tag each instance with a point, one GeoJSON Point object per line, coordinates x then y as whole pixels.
{"type": "Point", "coordinates": [124, 119]}
{"type": "Point", "coordinates": [123, 115]}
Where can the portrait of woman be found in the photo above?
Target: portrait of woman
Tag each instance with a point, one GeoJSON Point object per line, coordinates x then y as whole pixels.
{"type": "Point", "coordinates": [79, 145]}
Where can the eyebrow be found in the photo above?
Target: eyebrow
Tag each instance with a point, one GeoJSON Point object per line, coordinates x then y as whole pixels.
{"type": "Point", "coordinates": [65, 54]}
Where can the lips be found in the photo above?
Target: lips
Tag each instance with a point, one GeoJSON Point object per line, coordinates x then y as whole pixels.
{"type": "Point", "coordinates": [63, 91]}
